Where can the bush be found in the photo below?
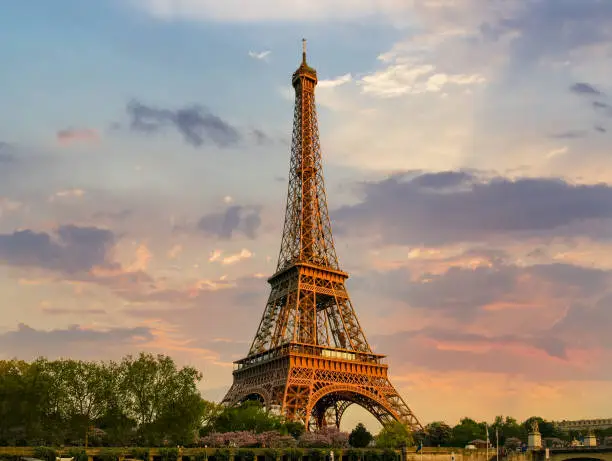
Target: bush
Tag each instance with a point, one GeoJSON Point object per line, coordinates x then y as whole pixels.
{"type": "Point", "coordinates": [140, 453]}
{"type": "Point", "coordinates": [168, 454]}
{"type": "Point", "coordinates": [354, 455]}
{"type": "Point", "coordinates": [244, 455]}
{"type": "Point", "coordinates": [108, 455]}
{"type": "Point", "coordinates": [45, 453]}
{"type": "Point", "coordinates": [295, 454]}
{"type": "Point", "coordinates": [222, 455]}
{"type": "Point", "coordinates": [389, 455]}
{"type": "Point", "coordinates": [372, 455]}
{"type": "Point", "coordinates": [78, 454]}
{"type": "Point", "coordinates": [316, 455]}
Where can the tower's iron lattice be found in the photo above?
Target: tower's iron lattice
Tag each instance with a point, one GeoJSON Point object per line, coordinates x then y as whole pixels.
{"type": "Point", "coordinates": [310, 359]}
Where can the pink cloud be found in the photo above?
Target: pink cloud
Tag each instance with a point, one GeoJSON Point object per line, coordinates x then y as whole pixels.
{"type": "Point", "coordinates": [72, 135]}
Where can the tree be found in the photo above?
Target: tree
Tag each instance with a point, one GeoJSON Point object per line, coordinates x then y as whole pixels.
{"type": "Point", "coordinates": [155, 389]}
{"type": "Point", "coordinates": [249, 416]}
{"type": "Point", "coordinates": [83, 394]}
{"type": "Point", "coordinates": [466, 431]}
{"type": "Point", "coordinates": [438, 434]}
{"type": "Point", "coordinates": [294, 428]}
{"type": "Point", "coordinates": [394, 435]}
{"type": "Point", "coordinates": [360, 437]}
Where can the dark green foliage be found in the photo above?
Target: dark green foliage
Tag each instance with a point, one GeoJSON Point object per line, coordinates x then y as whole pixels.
{"type": "Point", "coordinates": [295, 454]}
{"type": "Point", "coordinates": [45, 453]}
{"type": "Point", "coordinates": [354, 455]}
{"type": "Point", "coordinates": [145, 400]}
{"type": "Point", "coordinates": [140, 453]}
{"type": "Point", "coordinates": [360, 437]}
{"type": "Point", "coordinates": [394, 435]}
{"type": "Point", "coordinates": [250, 416]}
{"type": "Point", "coordinates": [222, 454]}
{"type": "Point", "coordinates": [108, 455]}
{"type": "Point", "coordinates": [294, 429]}
{"type": "Point", "coordinates": [438, 433]}
{"type": "Point", "coordinates": [316, 454]}
{"type": "Point", "coordinates": [389, 455]}
{"type": "Point", "coordinates": [78, 454]}
{"type": "Point", "coordinates": [168, 454]}
{"type": "Point", "coordinates": [201, 456]}
{"type": "Point", "coordinates": [372, 455]}
{"type": "Point", "coordinates": [270, 454]}
{"type": "Point", "coordinates": [244, 455]}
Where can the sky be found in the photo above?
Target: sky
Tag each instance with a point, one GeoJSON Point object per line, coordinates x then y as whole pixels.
{"type": "Point", "coordinates": [144, 152]}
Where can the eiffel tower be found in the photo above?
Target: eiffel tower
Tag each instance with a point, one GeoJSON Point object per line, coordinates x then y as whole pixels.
{"type": "Point", "coordinates": [310, 359]}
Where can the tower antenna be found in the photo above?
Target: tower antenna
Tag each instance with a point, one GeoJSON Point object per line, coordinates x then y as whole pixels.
{"type": "Point", "coordinates": [304, 50]}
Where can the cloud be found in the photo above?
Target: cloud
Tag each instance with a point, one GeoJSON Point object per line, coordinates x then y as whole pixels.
{"type": "Point", "coordinates": [400, 210]}
{"type": "Point", "coordinates": [113, 215]}
{"type": "Point", "coordinates": [243, 254]}
{"type": "Point", "coordinates": [236, 219]}
{"type": "Point", "coordinates": [197, 125]}
{"type": "Point", "coordinates": [69, 312]}
{"type": "Point", "coordinates": [5, 155]}
{"type": "Point", "coordinates": [463, 292]}
{"type": "Point", "coordinates": [70, 249]}
{"type": "Point", "coordinates": [7, 205]}
{"type": "Point", "coordinates": [334, 82]}
{"type": "Point", "coordinates": [260, 137]}
{"type": "Point", "coordinates": [584, 88]}
{"type": "Point", "coordinates": [259, 56]}
{"type": "Point", "coordinates": [29, 343]}
{"type": "Point", "coordinates": [72, 135]}
{"type": "Point", "coordinates": [413, 78]}
{"type": "Point", "coordinates": [557, 152]}
{"type": "Point", "coordinates": [570, 134]}
{"type": "Point", "coordinates": [67, 193]}
{"type": "Point", "coordinates": [269, 10]}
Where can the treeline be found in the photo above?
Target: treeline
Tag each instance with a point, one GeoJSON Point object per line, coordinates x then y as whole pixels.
{"type": "Point", "coordinates": [512, 434]}
{"type": "Point", "coordinates": [138, 401]}
{"type": "Point", "coordinates": [149, 401]}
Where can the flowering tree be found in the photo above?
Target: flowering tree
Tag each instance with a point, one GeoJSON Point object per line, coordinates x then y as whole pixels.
{"type": "Point", "coordinates": [245, 439]}
{"type": "Point", "coordinates": [325, 437]}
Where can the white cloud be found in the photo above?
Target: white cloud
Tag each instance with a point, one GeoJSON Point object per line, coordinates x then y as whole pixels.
{"type": "Point", "coordinates": [67, 193]}
{"type": "Point", "coordinates": [217, 256]}
{"type": "Point", "coordinates": [237, 257]}
{"type": "Point", "coordinates": [260, 56]}
{"type": "Point", "coordinates": [334, 82]}
{"type": "Point", "coordinates": [557, 152]}
{"type": "Point", "coordinates": [271, 10]}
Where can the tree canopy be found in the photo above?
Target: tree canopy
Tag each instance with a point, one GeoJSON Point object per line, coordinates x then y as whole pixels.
{"type": "Point", "coordinates": [149, 400]}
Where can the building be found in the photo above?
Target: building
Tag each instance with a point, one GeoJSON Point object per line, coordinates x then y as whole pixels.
{"type": "Point", "coordinates": [584, 424]}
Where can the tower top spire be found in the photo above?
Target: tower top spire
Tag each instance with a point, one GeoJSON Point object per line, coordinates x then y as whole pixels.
{"type": "Point", "coordinates": [304, 71]}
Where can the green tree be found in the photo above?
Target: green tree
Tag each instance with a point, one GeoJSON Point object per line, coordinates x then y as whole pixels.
{"type": "Point", "coordinates": [360, 437]}
{"type": "Point", "coordinates": [466, 431]}
{"type": "Point", "coordinates": [154, 389]}
{"type": "Point", "coordinates": [210, 413]}
{"type": "Point", "coordinates": [249, 416]}
{"type": "Point", "coordinates": [24, 402]}
{"type": "Point", "coordinates": [394, 435]}
{"type": "Point", "coordinates": [84, 394]}
{"type": "Point", "coordinates": [294, 428]}
{"type": "Point", "coordinates": [438, 434]}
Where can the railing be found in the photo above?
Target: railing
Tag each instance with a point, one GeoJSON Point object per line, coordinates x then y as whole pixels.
{"type": "Point", "coordinates": [306, 349]}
